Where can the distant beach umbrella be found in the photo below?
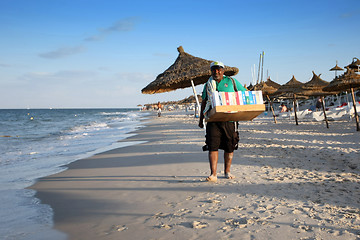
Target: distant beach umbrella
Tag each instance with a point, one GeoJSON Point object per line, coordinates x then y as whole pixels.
{"type": "Point", "coordinates": [336, 68]}
{"type": "Point", "coordinates": [267, 91]}
{"type": "Point", "coordinates": [355, 65]}
{"type": "Point", "coordinates": [265, 88]}
{"type": "Point", "coordinates": [347, 81]}
{"type": "Point", "coordinates": [188, 100]}
{"type": "Point", "coordinates": [288, 90]}
{"type": "Point", "coordinates": [185, 69]}
{"type": "Point", "coordinates": [315, 87]}
{"type": "Point", "coordinates": [271, 83]}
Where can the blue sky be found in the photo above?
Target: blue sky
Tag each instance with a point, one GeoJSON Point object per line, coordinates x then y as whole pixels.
{"type": "Point", "coordinates": [98, 53]}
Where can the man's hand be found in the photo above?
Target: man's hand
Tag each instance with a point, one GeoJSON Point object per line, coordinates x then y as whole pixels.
{"type": "Point", "coordinates": [201, 123]}
{"type": "Point", "coordinates": [201, 120]}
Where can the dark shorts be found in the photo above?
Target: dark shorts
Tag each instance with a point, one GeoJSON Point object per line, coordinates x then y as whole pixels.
{"type": "Point", "coordinates": [221, 135]}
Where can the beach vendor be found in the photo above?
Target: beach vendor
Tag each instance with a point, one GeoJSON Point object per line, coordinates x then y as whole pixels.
{"type": "Point", "coordinates": [219, 135]}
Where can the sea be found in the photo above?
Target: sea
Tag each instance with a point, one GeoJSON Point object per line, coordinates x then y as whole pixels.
{"type": "Point", "coordinates": [39, 142]}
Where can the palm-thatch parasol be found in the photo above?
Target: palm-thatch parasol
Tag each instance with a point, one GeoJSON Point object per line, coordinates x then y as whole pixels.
{"type": "Point", "coordinates": [288, 90]}
{"type": "Point", "coordinates": [272, 83]}
{"type": "Point", "coordinates": [267, 91]}
{"type": "Point", "coordinates": [354, 65]}
{"type": "Point", "coordinates": [336, 68]}
{"type": "Point", "coordinates": [265, 88]}
{"type": "Point", "coordinates": [315, 88]}
{"type": "Point", "coordinates": [185, 69]}
{"type": "Point", "coordinates": [349, 80]}
{"type": "Point", "coordinates": [188, 100]}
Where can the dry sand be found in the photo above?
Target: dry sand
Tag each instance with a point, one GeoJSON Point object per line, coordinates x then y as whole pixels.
{"type": "Point", "coordinates": [292, 182]}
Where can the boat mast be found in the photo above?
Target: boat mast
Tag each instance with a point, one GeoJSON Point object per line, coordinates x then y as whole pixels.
{"type": "Point", "coordinates": [262, 66]}
{"type": "Point", "coordinates": [259, 70]}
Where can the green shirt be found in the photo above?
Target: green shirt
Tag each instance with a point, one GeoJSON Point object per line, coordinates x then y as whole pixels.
{"type": "Point", "coordinates": [225, 85]}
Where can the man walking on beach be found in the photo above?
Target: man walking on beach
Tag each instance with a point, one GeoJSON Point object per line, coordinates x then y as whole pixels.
{"type": "Point", "coordinates": [219, 135]}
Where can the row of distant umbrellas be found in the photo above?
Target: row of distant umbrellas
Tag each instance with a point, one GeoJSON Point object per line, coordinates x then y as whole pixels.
{"type": "Point", "coordinates": [188, 71]}
{"type": "Point", "coordinates": [350, 80]}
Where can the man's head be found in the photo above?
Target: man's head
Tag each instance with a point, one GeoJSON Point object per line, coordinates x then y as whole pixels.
{"type": "Point", "coordinates": [217, 70]}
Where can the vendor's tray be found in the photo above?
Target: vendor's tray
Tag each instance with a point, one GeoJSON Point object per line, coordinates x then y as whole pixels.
{"type": "Point", "coordinates": [235, 112]}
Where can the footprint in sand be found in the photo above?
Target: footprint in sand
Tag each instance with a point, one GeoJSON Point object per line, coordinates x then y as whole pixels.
{"type": "Point", "coordinates": [120, 228]}
{"type": "Point", "coordinates": [199, 225]}
{"type": "Point", "coordinates": [182, 212]}
{"type": "Point", "coordinates": [165, 226]}
{"type": "Point", "coordinates": [236, 209]}
{"type": "Point", "coordinates": [162, 215]}
{"type": "Point", "coordinates": [237, 223]}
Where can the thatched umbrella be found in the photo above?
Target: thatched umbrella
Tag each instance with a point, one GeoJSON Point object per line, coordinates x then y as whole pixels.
{"type": "Point", "coordinates": [186, 71]}
{"type": "Point", "coordinates": [336, 68]}
{"type": "Point", "coordinates": [288, 90]}
{"type": "Point", "coordinates": [188, 100]}
{"type": "Point", "coordinates": [314, 87]}
{"type": "Point", "coordinates": [267, 91]}
{"type": "Point", "coordinates": [354, 65]}
{"type": "Point", "coordinates": [349, 80]}
{"type": "Point", "coordinates": [272, 83]}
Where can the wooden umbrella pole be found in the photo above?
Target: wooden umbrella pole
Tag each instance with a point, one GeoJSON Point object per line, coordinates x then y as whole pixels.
{"type": "Point", "coordinates": [323, 107]}
{"type": "Point", "coordinates": [197, 109]}
{"type": "Point", "coordinates": [272, 109]}
{"type": "Point", "coordinates": [356, 115]}
{"type": "Point", "coordinates": [296, 120]}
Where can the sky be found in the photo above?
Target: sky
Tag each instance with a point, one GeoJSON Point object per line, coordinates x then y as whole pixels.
{"type": "Point", "coordinates": [101, 53]}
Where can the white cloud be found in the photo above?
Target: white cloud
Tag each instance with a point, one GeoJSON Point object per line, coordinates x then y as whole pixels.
{"type": "Point", "coordinates": [350, 14]}
{"type": "Point", "coordinates": [63, 52]}
{"type": "Point", "coordinates": [136, 77]}
{"type": "Point", "coordinates": [61, 77]}
{"type": "Point", "coordinates": [4, 65]}
{"type": "Point", "coordinates": [124, 25]}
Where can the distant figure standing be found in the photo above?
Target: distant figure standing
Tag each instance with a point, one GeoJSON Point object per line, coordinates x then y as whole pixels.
{"type": "Point", "coordinates": [318, 104]}
{"type": "Point", "coordinates": [283, 108]}
{"type": "Point", "coordinates": [159, 109]}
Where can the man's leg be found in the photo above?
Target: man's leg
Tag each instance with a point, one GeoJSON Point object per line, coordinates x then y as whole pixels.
{"type": "Point", "coordinates": [227, 164]}
{"type": "Point", "coordinates": [213, 159]}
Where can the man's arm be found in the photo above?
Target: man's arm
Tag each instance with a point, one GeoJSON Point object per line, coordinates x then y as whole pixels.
{"type": "Point", "coordinates": [239, 86]}
{"type": "Point", "coordinates": [201, 120]}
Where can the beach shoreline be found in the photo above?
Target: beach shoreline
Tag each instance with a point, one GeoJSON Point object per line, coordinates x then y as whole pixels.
{"type": "Point", "coordinates": [292, 182]}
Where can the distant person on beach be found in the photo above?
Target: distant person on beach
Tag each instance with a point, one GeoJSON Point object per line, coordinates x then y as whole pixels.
{"type": "Point", "coordinates": [318, 104]}
{"type": "Point", "coordinates": [159, 109]}
{"type": "Point", "coordinates": [219, 135]}
{"type": "Point", "coordinates": [283, 108]}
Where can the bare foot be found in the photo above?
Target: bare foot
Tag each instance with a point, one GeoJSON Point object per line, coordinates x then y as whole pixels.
{"type": "Point", "coordinates": [211, 178]}
{"type": "Point", "coordinates": [229, 176]}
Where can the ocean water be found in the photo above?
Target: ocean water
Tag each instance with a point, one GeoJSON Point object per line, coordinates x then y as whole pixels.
{"type": "Point", "coordinates": [37, 142]}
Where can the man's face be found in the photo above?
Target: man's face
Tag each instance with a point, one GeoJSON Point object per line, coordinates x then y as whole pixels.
{"type": "Point", "coordinates": [217, 73]}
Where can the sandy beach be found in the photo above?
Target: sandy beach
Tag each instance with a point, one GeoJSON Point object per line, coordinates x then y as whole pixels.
{"type": "Point", "coordinates": [292, 182]}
